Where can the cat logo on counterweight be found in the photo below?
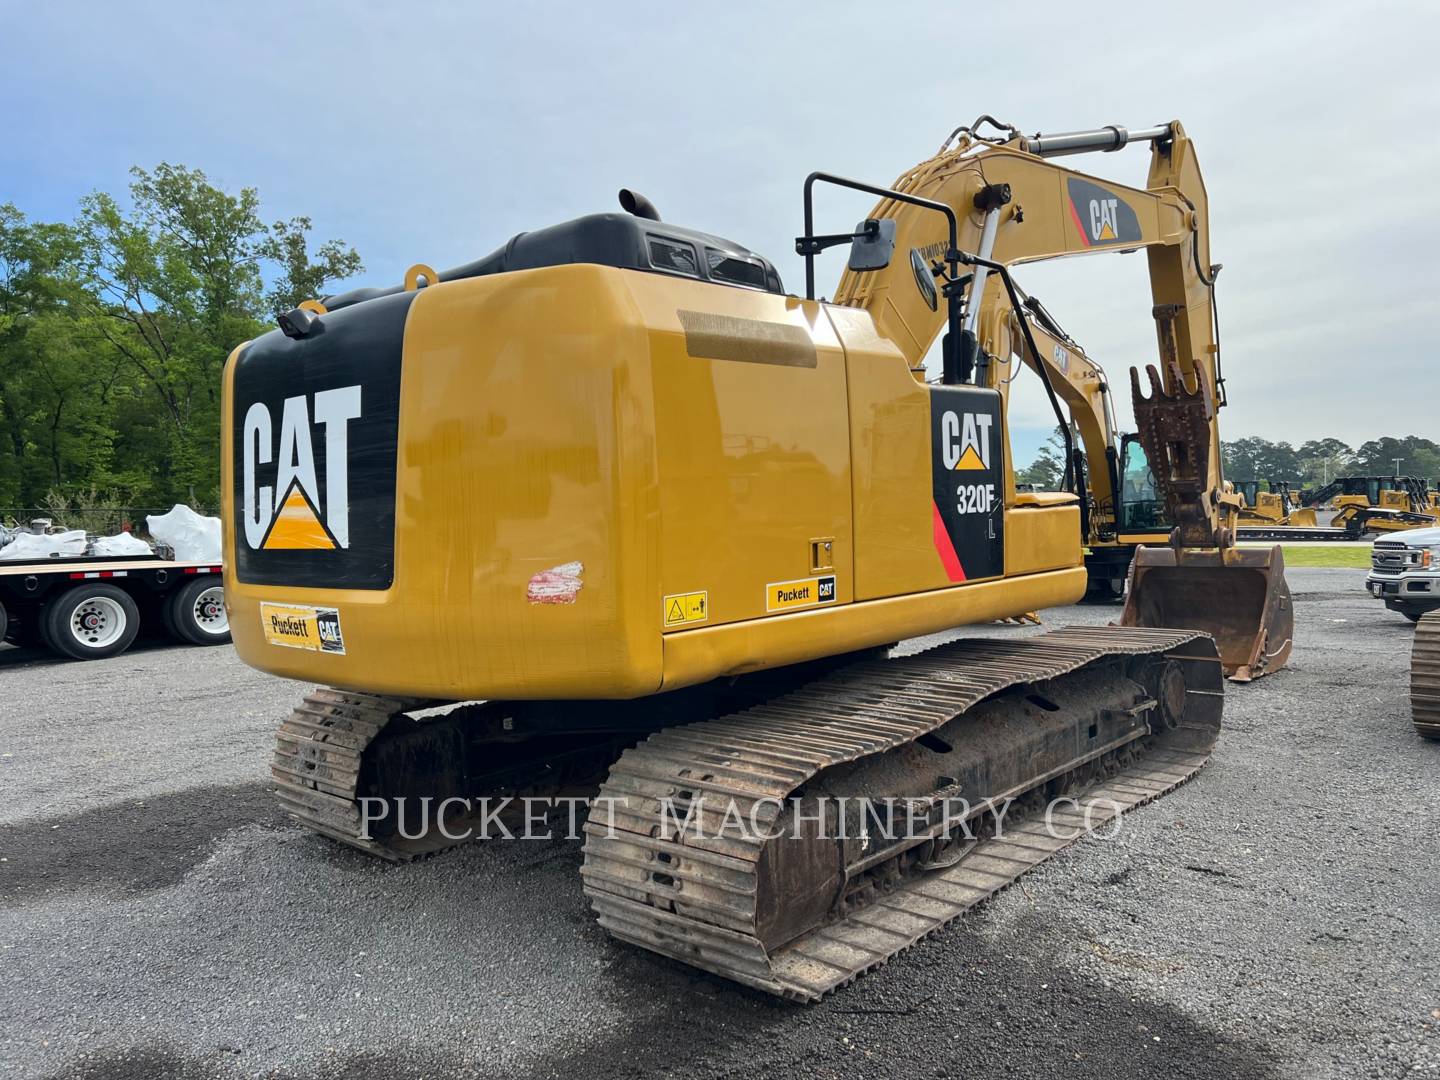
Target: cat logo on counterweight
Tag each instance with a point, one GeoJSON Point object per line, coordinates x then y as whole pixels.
{"type": "Point", "coordinates": [297, 520]}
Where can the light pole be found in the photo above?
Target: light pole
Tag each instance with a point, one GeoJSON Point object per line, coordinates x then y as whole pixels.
{"type": "Point", "coordinates": [1397, 464]}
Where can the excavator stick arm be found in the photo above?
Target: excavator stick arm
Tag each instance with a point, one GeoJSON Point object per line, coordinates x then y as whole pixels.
{"type": "Point", "coordinates": [1202, 581]}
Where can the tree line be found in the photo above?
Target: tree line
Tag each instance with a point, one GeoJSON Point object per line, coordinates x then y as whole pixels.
{"type": "Point", "coordinates": [1313, 464]}
{"type": "Point", "coordinates": [114, 329]}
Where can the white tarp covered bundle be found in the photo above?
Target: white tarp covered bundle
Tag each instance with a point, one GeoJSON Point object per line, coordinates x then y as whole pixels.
{"type": "Point", "coordinates": [53, 545]}
{"type": "Point", "coordinates": [193, 537]}
{"type": "Point", "coordinates": [120, 544]}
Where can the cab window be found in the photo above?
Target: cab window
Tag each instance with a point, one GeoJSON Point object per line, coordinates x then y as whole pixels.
{"type": "Point", "coordinates": [1139, 499]}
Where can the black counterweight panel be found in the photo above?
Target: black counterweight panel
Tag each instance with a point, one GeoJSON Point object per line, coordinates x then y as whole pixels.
{"type": "Point", "coordinates": [316, 424]}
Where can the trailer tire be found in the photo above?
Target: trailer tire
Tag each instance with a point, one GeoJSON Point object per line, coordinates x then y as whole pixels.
{"type": "Point", "coordinates": [196, 612]}
{"type": "Point", "coordinates": [4, 622]}
{"type": "Point", "coordinates": [91, 621]}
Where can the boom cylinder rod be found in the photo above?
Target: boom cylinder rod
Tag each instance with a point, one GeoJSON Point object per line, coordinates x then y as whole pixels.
{"type": "Point", "coordinates": [977, 285]}
{"type": "Point", "coordinates": [1105, 139]}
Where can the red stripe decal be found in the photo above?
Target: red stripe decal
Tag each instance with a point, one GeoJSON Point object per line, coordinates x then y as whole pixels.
{"type": "Point", "coordinates": [1075, 217]}
{"type": "Point", "coordinates": [953, 570]}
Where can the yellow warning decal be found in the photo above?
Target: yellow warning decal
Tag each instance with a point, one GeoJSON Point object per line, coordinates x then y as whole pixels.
{"type": "Point", "coordinates": [297, 527]}
{"type": "Point", "coordinates": [295, 626]}
{"type": "Point", "coordinates": [807, 592]}
{"type": "Point", "coordinates": [681, 609]}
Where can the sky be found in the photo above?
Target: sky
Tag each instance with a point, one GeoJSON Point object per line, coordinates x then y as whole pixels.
{"type": "Point", "coordinates": [432, 133]}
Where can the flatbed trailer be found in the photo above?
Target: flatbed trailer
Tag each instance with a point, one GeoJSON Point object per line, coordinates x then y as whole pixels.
{"type": "Point", "coordinates": [92, 607]}
{"type": "Point", "coordinates": [1283, 533]}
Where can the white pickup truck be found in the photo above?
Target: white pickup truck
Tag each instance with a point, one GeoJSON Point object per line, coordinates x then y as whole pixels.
{"type": "Point", "coordinates": [1405, 572]}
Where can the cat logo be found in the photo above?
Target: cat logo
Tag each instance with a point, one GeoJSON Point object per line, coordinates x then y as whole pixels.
{"type": "Point", "coordinates": [301, 519]}
{"type": "Point", "coordinates": [965, 440]}
{"type": "Point", "coordinates": [1101, 216]}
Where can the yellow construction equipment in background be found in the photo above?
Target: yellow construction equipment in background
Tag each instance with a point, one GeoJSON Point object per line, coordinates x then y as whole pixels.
{"type": "Point", "coordinates": [612, 481]}
{"type": "Point", "coordinates": [1378, 504]}
{"type": "Point", "coordinates": [1273, 507]}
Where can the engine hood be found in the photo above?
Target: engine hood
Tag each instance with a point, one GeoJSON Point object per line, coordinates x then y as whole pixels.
{"type": "Point", "coordinates": [1419, 538]}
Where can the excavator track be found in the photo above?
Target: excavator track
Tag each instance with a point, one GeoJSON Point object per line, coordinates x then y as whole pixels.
{"type": "Point", "coordinates": [330, 753]}
{"type": "Point", "coordinates": [726, 902]}
{"type": "Point", "coordinates": [318, 750]}
{"type": "Point", "coordinates": [1425, 676]}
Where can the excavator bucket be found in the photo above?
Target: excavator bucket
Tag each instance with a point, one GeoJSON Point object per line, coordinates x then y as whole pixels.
{"type": "Point", "coordinates": [1238, 596]}
{"type": "Point", "coordinates": [1201, 581]}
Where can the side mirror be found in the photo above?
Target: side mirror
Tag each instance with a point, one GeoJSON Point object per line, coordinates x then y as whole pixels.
{"type": "Point", "coordinates": [873, 245]}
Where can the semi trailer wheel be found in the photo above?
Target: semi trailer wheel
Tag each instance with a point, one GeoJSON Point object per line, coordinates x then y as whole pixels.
{"type": "Point", "coordinates": [91, 621]}
{"type": "Point", "coordinates": [196, 612]}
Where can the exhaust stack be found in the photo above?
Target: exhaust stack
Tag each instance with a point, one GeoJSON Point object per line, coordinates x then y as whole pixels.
{"type": "Point", "coordinates": [632, 202]}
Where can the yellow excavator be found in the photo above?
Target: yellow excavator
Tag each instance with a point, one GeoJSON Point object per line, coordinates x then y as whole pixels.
{"type": "Point", "coordinates": [608, 506]}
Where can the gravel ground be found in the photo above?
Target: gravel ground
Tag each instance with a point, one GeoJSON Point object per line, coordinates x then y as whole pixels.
{"type": "Point", "coordinates": [158, 918]}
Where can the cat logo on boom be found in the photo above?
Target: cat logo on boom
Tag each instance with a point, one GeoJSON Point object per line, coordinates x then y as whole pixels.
{"type": "Point", "coordinates": [1101, 216]}
{"type": "Point", "coordinates": [300, 519]}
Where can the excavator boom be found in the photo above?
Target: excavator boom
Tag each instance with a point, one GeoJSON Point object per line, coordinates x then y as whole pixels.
{"type": "Point", "coordinates": [1013, 207]}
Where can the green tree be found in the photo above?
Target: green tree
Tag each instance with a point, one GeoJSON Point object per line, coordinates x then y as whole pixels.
{"type": "Point", "coordinates": [1325, 459]}
{"type": "Point", "coordinates": [177, 283]}
{"type": "Point", "coordinates": [1254, 458]}
{"type": "Point", "coordinates": [303, 276]}
{"type": "Point", "coordinates": [1047, 470]}
{"type": "Point", "coordinates": [52, 394]}
{"type": "Point", "coordinates": [114, 333]}
{"type": "Point", "coordinates": [1418, 456]}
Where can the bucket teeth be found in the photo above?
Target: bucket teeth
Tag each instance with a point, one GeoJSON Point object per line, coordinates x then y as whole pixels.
{"type": "Point", "coordinates": [1176, 388]}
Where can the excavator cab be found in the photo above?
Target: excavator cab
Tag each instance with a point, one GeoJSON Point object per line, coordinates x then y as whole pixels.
{"type": "Point", "coordinates": [1141, 507]}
